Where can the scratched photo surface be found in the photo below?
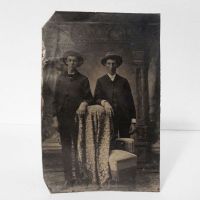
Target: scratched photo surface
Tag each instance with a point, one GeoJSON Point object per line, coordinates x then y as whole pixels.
{"type": "Point", "coordinates": [101, 102]}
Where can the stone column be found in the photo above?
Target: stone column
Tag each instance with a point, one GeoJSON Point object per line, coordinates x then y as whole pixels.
{"type": "Point", "coordinates": [142, 141]}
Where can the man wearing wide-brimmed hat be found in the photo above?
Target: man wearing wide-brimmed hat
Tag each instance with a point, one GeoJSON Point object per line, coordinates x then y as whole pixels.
{"type": "Point", "coordinates": [113, 92]}
{"type": "Point", "coordinates": [72, 94]}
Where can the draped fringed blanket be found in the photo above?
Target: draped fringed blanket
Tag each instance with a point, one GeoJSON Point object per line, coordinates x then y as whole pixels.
{"type": "Point", "coordinates": [95, 132]}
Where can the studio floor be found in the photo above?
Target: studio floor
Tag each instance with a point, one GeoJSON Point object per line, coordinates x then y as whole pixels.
{"type": "Point", "coordinates": [145, 180]}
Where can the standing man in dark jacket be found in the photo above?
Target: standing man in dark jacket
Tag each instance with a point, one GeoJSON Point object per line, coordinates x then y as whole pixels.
{"type": "Point", "coordinates": [72, 95]}
{"type": "Point", "coordinates": [113, 92]}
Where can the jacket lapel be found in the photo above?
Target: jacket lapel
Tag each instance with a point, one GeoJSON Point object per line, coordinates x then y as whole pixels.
{"type": "Point", "coordinates": [108, 78]}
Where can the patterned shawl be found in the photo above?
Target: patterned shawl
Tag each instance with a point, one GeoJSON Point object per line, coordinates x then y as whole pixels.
{"type": "Point", "coordinates": [95, 132]}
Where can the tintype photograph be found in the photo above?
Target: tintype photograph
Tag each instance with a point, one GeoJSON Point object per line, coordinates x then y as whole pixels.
{"type": "Point", "coordinates": [101, 102]}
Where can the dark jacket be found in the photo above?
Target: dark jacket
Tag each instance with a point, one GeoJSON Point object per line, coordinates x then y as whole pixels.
{"type": "Point", "coordinates": [118, 94]}
{"type": "Point", "coordinates": [70, 91]}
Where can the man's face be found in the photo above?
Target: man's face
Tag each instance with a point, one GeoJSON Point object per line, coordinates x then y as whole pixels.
{"type": "Point", "coordinates": [72, 62]}
{"type": "Point", "coordinates": [111, 66]}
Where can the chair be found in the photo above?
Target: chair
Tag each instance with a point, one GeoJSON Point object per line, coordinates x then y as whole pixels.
{"type": "Point", "coordinates": [123, 161]}
{"type": "Point", "coordinates": [126, 144]}
{"type": "Point", "coordinates": [122, 165]}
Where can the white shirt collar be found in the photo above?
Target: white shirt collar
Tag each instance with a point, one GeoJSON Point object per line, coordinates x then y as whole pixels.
{"type": "Point", "coordinates": [112, 77]}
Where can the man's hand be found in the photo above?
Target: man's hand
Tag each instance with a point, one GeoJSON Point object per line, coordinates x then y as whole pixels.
{"type": "Point", "coordinates": [55, 123]}
{"type": "Point", "coordinates": [108, 108]}
{"type": "Point", "coordinates": [82, 108]}
{"type": "Point", "coordinates": [132, 128]}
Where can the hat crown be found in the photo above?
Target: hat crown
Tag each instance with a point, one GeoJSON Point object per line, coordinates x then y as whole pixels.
{"type": "Point", "coordinates": [111, 54]}
{"type": "Point", "coordinates": [71, 53]}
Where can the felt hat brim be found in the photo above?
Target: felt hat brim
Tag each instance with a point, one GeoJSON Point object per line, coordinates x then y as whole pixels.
{"type": "Point", "coordinates": [113, 57]}
{"type": "Point", "coordinates": [75, 54]}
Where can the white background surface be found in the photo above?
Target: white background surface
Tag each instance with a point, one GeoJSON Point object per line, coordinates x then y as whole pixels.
{"type": "Point", "coordinates": [20, 52]}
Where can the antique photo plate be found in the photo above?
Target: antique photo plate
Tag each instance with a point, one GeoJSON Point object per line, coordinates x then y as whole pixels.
{"type": "Point", "coordinates": [101, 102]}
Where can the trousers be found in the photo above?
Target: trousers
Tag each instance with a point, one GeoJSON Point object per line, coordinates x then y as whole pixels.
{"type": "Point", "coordinates": [69, 136]}
{"type": "Point", "coordinates": [121, 129]}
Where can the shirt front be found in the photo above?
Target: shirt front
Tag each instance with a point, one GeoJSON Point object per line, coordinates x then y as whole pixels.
{"type": "Point", "coordinates": [112, 77]}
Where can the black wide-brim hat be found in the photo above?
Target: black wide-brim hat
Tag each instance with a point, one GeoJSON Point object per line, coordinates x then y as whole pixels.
{"type": "Point", "coordinates": [75, 54]}
{"type": "Point", "coordinates": [114, 56]}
